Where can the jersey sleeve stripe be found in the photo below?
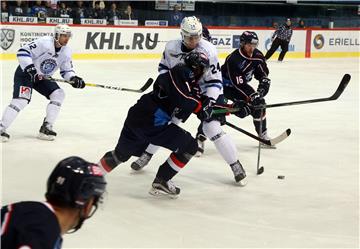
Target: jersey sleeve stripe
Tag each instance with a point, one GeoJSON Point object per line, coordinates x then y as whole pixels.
{"type": "Point", "coordinates": [23, 50]}
{"type": "Point", "coordinates": [23, 55]}
{"type": "Point", "coordinates": [162, 66]}
{"type": "Point", "coordinates": [214, 85]}
{"type": "Point", "coordinates": [6, 221]}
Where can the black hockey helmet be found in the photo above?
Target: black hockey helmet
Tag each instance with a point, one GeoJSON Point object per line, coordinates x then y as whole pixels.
{"type": "Point", "coordinates": [249, 37]}
{"type": "Point", "coordinates": [198, 62]}
{"type": "Point", "coordinates": [74, 182]}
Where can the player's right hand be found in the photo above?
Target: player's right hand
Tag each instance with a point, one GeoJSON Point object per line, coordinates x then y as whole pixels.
{"type": "Point", "coordinates": [32, 73]}
{"type": "Point", "coordinates": [77, 82]}
{"type": "Point", "coordinates": [256, 99]}
{"type": "Point", "coordinates": [244, 109]}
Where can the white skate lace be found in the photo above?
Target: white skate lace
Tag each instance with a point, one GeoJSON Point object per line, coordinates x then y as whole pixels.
{"type": "Point", "coordinates": [171, 186]}
{"type": "Point", "coordinates": [143, 159]}
{"type": "Point", "coordinates": [236, 168]}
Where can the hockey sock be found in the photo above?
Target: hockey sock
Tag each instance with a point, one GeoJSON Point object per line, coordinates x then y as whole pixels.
{"type": "Point", "coordinates": [11, 111]}
{"type": "Point", "coordinates": [53, 108]}
{"type": "Point", "coordinates": [152, 149]}
{"type": "Point", "coordinates": [109, 161]}
{"type": "Point", "coordinates": [223, 143]}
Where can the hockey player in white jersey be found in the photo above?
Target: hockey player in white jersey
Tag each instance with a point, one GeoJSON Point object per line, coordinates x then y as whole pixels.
{"type": "Point", "coordinates": [211, 89]}
{"type": "Point", "coordinates": [39, 60]}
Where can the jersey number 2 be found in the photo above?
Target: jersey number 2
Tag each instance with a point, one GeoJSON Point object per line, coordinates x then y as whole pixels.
{"type": "Point", "coordinates": [214, 69]}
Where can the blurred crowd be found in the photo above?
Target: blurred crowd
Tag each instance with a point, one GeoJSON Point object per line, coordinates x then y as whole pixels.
{"type": "Point", "coordinates": [77, 10]}
{"type": "Point", "coordinates": [227, 13]}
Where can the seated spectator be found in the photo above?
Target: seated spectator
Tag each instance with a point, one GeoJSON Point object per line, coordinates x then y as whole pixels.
{"type": "Point", "coordinates": [301, 24]}
{"type": "Point", "coordinates": [79, 12]}
{"type": "Point", "coordinates": [98, 11]}
{"type": "Point", "coordinates": [275, 25]}
{"type": "Point", "coordinates": [128, 14]}
{"type": "Point", "coordinates": [63, 11]}
{"type": "Point", "coordinates": [39, 11]}
{"type": "Point", "coordinates": [113, 14]}
{"type": "Point", "coordinates": [4, 12]}
{"type": "Point", "coordinates": [18, 9]}
{"type": "Point", "coordinates": [176, 16]}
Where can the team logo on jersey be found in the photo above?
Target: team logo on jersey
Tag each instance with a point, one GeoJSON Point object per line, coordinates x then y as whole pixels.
{"type": "Point", "coordinates": [25, 92]}
{"type": "Point", "coordinates": [7, 38]}
{"type": "Point", "coordinates": [319, 41]}
{"type": "Point", "coordinates": [48, 66]}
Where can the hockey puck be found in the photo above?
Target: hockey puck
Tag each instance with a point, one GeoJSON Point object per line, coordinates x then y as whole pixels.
{"type": "Point", "coordinates": [281, 177]}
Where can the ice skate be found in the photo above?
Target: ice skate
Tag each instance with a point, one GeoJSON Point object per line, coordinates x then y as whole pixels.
{"type": "Point", "coordinates": [46, 132]}
{"type": "Point", "coordinates": [239, 173]}
{"type": "Point", "coordinates": [163, 188]}
{"type": "Point", "coordinates": [142, 161]}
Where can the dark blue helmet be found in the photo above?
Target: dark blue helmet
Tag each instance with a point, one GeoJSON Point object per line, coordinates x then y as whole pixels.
{"type": "Point", "coordinates": [249, 37]}
{"type": "Point", "coordinates": [73, 182]}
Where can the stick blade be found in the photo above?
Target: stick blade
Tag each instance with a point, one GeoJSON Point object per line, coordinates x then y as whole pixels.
{"type": "Point", "coordinates": [280, 138]}
{"type": "Point", "coordinates": [343, 84]}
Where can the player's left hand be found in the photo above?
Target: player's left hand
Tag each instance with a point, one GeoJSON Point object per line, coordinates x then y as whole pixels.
{"type": "Point", "coordinates": [207, 109]}
{"type": "Point", "coordinates": [77, 82]}
{"type": "Point", "coordinates": [264, 86]}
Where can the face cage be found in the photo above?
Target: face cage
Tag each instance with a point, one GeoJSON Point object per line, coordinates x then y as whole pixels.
{"type": "Point", "coordinates": [187, 38]}
{"type": "Point", "coordinates": [57, 35]}
{"type": "Point", "coordinates": [97, 201]}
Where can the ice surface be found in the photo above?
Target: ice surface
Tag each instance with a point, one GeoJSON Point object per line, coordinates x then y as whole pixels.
{"type": "Point", "coordinates": [316, 205]}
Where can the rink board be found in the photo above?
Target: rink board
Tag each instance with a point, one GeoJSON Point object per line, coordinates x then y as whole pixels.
{"type": "Point", "coordinates": [112, 42]}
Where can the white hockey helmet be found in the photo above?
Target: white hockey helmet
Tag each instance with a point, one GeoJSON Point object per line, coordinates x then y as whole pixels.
{"type": "Point", "coordinates": [191, 27]}
{"type": "Point", "coordinates": [61, 29]}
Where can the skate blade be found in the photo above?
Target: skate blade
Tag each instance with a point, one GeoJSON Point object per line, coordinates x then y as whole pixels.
{"type": "Point", "coordinates": [135, 167]}
{"type": "Point", "coordinates": [265, 146]}
{"type": "Point", "coordinates": [241, 183]}
{"type": "Point", "coordinates": [45, 137]}
{"type": "Point", "coordinates": [199, 154]}
{"type": "Point", "coordinates": [4, 139]}
{"type": "Point", "coordinates": [160, 193]}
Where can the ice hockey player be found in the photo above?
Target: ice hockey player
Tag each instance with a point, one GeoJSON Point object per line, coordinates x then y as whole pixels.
{"type": "Point", "coordinates": [39, 60]}
{"type": "Point", "coordinates": [238, 70]}
{"type": "Point", "coordinates": [74, 190]}
{"type": "Point", "coordinates": [154, 118]}
{"type": "Point", "coordinates": [211, 86]}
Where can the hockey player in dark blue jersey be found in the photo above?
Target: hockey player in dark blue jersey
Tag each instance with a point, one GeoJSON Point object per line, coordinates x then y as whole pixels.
{"type": "Point", "coordinates": [153, 120]}
{"type": "Point", "coordinates": [74, 190]}
{"type": "Point", "coordinates": [238, 70]}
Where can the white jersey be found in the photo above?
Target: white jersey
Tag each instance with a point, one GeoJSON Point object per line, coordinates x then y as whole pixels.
{"type": "Point", "coordinates": [42, 54]}
{"type": "Point", "coordinates": [175, 53]}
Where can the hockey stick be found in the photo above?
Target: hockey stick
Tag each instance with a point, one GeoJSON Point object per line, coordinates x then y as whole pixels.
{"type": "Point", "coordinates": [142, 89]}
{"type": "Point", "coordinates": [344, 82]}
{"type": "Point", "coordinates": [270, 142]}
{"type": "Point", "coordinates": [260, 170]}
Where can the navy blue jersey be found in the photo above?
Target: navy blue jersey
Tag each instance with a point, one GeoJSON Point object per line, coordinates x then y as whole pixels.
{"type": "Point", "coordinates": [30, 225]}
{"type": "Point", "coordinates": [173, 95]}
{"type": "Point", "coordinates": [239, 69]}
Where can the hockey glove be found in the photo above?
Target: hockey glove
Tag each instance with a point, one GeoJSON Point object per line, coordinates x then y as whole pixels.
{"type": "Point", "coordinates": [32, 73]}
{"type": "Point", "coordinates": [206, 112]}
{"type": "Point", "coordinates": [244, 111]}
{"type": "Point", "coordinates": [264, 86]}
{"type": "Point", "coordinates": [77, 82]}
{"type": "Point", "coordinates": [256, 99]}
